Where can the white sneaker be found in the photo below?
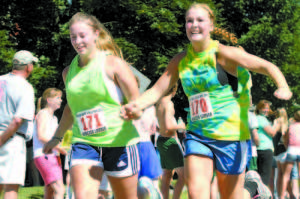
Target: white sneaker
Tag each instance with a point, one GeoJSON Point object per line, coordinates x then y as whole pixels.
{"type": "Point", "coordinates": [147, 189]}
{"type": "Point", "coordinates": [253, 181]}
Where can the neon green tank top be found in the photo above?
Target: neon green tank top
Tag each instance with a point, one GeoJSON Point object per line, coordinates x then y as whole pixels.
{"type": "Point", "coordinates": [214, 112]}
{"type": "Point", "coordinates": [96, 114]}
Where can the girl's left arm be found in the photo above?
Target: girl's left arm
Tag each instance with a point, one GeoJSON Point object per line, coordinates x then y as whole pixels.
{"type": "Point", "coordinates": [118, 70]}
{"type": "Point", "coordinates": [232, 57]}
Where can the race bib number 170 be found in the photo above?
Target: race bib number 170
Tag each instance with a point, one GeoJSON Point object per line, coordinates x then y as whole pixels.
{"type": "Point", "coordinates": [200, 106]}
{"type": "Point", "coordinates": [91, 121]}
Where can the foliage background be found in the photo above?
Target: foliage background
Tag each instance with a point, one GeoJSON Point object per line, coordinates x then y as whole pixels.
{"type": "Point", "coordinates": [150, 32]}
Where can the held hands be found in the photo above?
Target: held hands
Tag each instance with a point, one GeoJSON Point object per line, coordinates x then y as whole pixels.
{"type": "Point", "coordinates": [283, 93]}
{"type": "Point", "coordinates": [131, 111]}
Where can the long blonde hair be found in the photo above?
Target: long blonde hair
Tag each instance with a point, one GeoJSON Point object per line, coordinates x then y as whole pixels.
{"type": "Point", "coordinates": [48, 93]}
{"type": "Point", "coordinates": [217, 32]}
{"type": "Point", "coordinates": [105, 41]}
{"type": "Point", "coordinates": [284, 121]}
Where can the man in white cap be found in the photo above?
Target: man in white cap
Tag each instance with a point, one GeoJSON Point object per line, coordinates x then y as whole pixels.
{"type": "Point", "coordinates": [16, 117]}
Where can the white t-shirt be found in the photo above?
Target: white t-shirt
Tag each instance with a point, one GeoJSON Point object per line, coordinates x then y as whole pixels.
{"type": "Point", "coordinates": [16, 100]}
{"type": "Point", "coordinates": [37, 144]}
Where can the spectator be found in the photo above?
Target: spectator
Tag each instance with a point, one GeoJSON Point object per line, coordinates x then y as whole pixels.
{"type": "Point", "coordinates": [17, 113]}
{"type": "Point", "coordinates": [171, 153]}
{"type": "Point", "coordinates": [266, 131]}
{"type": "Point", "coordinates": [292, 143]}
{"type": "Point", "coordinates": [45, 124]}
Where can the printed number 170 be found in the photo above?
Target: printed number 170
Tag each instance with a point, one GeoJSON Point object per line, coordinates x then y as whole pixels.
{"type": "Point", "coordinates": [199, 103]}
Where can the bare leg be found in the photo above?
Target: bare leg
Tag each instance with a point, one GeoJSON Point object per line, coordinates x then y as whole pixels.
{"type": "Point", "coordinates": [179, 184]}
{"type": "Point", "coordinates": [58, 189]}
{"type": "Point", "coordinates": [85, 180]}
{"type": "Point", "coordinates": [124, 188]}
{"type": "Point", "coordinates": [287, 168]}
{"type": "Point", "coordinates": [48, 192]}
{"type": "Point", "coordinates": [231, 186]}
{"type": "Point", "coordinates": [165, 183]}
{"type": "Point", "coordinates": [11, 191]}
{"type": "Point", "coordinates": [293, 189]}
{"type": "Point", "coordinates": [198, 171]}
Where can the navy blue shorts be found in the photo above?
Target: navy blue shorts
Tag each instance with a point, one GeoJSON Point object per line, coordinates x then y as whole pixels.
{"type": "Point", "coordinates": [116, 161]}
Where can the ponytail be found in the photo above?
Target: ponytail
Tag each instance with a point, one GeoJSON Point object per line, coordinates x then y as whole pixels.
{"type": "Point", "coordinates": [38, 106]}
{"type": "Point", "coordinates": [222, 34]}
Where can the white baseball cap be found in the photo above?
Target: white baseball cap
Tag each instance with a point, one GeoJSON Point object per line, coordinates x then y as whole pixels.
{"type": "Point", "coordinates": [24, 57]}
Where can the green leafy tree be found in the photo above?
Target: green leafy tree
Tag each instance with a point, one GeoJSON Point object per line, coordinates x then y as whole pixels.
{"type": "Point", "coordinates": [269, 30]}
{"type": "Point", "coordinates": [6, 55]}
{"type": "Point", "coordinates": [150, 33]}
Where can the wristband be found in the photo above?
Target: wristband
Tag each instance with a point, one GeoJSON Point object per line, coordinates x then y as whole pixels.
{"type": "Point", "coordinates": [57, 138]}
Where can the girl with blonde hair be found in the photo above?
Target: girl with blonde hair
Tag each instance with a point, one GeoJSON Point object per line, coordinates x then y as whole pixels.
{"type": "Point", "coordinates": [45, 124]}
{"type": "Point", "coordinates": [217, 130]}
{"type": "Point", "coordinates": [98, 81]}
{"type": "Point", "coordinates": [292, 143]}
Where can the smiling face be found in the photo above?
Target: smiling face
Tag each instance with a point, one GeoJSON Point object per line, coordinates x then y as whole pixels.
{"type": "Point", "coordinates": [83, 37]}
{"type": "Point", "coordinates": [265, 110]}
{"type": "Point", "coordinates": [55, 101]}
{"type": "Point", "coordinates": [198, 24]}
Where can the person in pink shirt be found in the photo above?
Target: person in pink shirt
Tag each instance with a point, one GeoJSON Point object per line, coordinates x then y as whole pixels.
{"type": "Point", "coordinates": [292, 143]}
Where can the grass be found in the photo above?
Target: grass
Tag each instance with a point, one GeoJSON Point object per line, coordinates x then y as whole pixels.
{"type": "Point", "coordinates": [30, 193]}
{"type": "Point", "coordinates": [38, 193]}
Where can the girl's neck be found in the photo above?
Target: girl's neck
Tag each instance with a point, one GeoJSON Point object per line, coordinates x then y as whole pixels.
{"type": "Point", "coordinates": [85, 59]}
{"type": "Point", "coordinates": [201, 45]}
{"type": "Point", "coordinates": [49, 110]}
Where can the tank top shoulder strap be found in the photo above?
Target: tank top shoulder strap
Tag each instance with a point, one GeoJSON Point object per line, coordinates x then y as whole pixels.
{"type": "Point", "coordinates": [72, 68]}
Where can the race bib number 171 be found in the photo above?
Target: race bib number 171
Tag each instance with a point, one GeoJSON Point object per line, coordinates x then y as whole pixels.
{"type": "Point", "coordinates": [91, 121]}
{"type": "Point", "coordinates": [200, 106]}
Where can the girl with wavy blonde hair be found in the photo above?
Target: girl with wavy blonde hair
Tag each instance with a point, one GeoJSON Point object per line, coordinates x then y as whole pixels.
{"type": "Point", "coordinates": [98, 81]}
{"type": "Point", "coordinates": [216, 80]}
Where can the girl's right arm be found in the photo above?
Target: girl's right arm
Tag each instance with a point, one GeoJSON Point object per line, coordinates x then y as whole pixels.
{"type": "Point", "coordinates": [42, 119]}
{"type": "Point", "coordinates": [168, 79]}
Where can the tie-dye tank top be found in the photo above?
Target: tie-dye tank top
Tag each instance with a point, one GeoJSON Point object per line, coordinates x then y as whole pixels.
{"type": "Point", "coordinates": [214, 110]}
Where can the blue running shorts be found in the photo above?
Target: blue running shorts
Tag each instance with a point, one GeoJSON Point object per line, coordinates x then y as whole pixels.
{"type": "Point", "coordinates": [150, 164]}
{"type": "Point", "coordinates": [230, 157]}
